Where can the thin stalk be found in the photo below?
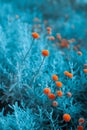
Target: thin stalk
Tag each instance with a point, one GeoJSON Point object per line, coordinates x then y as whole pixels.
{"type": "Point", "coordinates": [20, 65]}
{"type": "Point", "coordinates": [35, 76]}
{"type": "Point", "coordinates": [28, 51]}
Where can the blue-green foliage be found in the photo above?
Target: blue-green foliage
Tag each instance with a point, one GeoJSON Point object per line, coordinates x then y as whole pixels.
{"type": "Point", "coordinates": [19, 93]}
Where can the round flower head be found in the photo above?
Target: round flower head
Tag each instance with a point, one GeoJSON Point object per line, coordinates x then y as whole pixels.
{"type": "Point", "coordinates": [68, 74]}
{"type": "Point", "coordinates": [55, 77]}
{"type": "Point", "coordinates": [51, 96]}
{"type": "Point", "coordinates": [45, 53]}
{"type": "Point", "coordinates": [85, 70]}
{"type": "Point", "coordinates": [59, 84]}
{"type": "Point", "coordinates": [69, 94]}
{"type": "Point", "coordinates": [79, 53]}
{"type": "Point", "coordinates": [59, 37]}
{"type": "Point", "coordinates": [80, 127]}
{"type": "Point", "coordinates": [51, 38]}
{"type": "Point", "coordinates": [46, 91]}
{"type": "Point", "coordinates": [59, 93]}
{"type": "Point", "coordinates": [35, 35]}
{"type": "Point", "coordinates": [64, 43]}
{"type": "Point", "coordinates": [55, 103]}
{"type": "Point", "coordinates": [66, 117]}
{"type": "Point", "coordinates": [49, 29]}
{"type": "Point", "coordinates": [81, 120]}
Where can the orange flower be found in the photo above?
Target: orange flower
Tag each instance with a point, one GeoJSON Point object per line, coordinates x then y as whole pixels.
{"type": "Point", "coordinates": [46, 91]}
{"type": "Point", "coordinates": [85, 70]}
{"type": "Point", "coordinates": [64, 43]}
{"type": "Point", "coordinates": [49, 29]}
{"type": "Point", "coordinates": [55, 103]}
{"type": "Point", "coordinates": [80, 127]}
{"type": "Point", "coordinates": [59, 84]}
{"type": "Point", "coordinates": [69, 94]}
{"type": "Point", "coordinates": [79, 53]}
{"type": "Point", "coordinates": [68, 74]}
{"type": "Point", "coordinates": [81, 120]}
{"type": "Point", "coordinates": [35, 35]}
{"type": "Point", "coordinates": [55, 77]}
{"type": "Point", "coordinates": [45, 52]}
{"type": "Point", "coordinates": [59, 93]}
{"type": "Point", "coordinates": [66, 117]}
{"type": "Point", "coordinates": [58, 36]}
{"type": "Point", "coordinates": [51, 38]}
{"type": "Point", "coordinates": [51, 96]}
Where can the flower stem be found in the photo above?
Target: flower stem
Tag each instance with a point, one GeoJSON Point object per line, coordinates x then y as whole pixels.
{"type": "Point", "coordinates": [28, 51]}
{"type": "Point", "coordinates": [37, 72]}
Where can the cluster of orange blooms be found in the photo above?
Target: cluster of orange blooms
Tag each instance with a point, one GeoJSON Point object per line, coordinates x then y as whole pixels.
{"type": "Point", "coordinates": [47, 91]}
{"type": "Point", "coordinates": [63, 42]}
{"type": "Point", "coordinates": [51, 96]}
{"type": "Point", "coordinates": [81, 121]}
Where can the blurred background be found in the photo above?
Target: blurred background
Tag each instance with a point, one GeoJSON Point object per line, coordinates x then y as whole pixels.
{"type": "Point", "coordinates": [69, 18]}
